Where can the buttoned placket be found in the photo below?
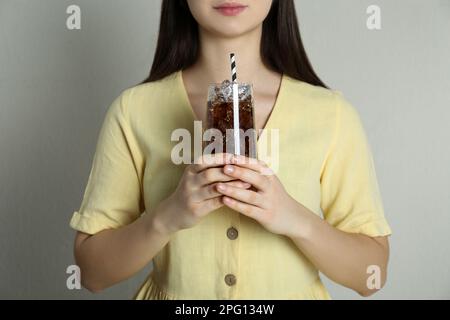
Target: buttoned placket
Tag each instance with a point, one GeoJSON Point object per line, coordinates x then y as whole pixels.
{"type": "Point", "coordinates": [231, 279]}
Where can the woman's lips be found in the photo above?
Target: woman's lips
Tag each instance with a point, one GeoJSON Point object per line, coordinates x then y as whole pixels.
{"type": "Point", "coordinates": [230, 9]}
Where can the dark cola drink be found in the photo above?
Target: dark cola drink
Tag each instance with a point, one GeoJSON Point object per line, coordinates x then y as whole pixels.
{"type": "Point", "coordinates": [219, 135]}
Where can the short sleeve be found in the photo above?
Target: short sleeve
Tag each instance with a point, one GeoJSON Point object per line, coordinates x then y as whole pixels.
{"type": "Point", "coordinates": [113, 196]}
{"type": "Point", "coordinates": [350, 195]}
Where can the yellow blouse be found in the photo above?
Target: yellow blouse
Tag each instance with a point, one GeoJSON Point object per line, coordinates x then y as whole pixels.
{"type": "Point", "coordinates": [325, 164]}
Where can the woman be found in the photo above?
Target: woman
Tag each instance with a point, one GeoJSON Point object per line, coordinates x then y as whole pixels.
{"type": "Point", "coordinates": [222, 229]}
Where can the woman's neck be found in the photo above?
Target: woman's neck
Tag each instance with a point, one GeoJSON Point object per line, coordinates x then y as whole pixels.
{"type": "Point", "coordinates": [214, 64]}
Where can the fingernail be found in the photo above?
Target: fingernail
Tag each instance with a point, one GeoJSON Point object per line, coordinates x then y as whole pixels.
{"type": "Point", "coordinates": [221, 187]}
{"type": "Point", "coordinates": [229, 169]}
{"type": "Point", "coordinates": [228, 200]}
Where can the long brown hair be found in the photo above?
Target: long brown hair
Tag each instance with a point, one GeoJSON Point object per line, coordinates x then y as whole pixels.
{"type": "Point", "coordinates": [282, 48]}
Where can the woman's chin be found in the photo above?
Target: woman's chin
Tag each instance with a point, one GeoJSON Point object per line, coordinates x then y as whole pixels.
{"type": "Point", "coordinates": [231, 30]}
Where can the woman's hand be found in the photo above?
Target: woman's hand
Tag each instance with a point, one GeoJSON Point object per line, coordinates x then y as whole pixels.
{"type": "Point", "coordinates": [268, 202]}
{"type": "Point", "coordinates": [196, 195]}
{"type": "Point", "coordinates": [341, 256]}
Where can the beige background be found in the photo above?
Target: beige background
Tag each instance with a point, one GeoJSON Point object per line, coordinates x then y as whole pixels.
{"type": "Point", "coordinates": [56, 84]}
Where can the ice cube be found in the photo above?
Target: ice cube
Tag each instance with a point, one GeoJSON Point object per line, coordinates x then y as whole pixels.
{"type": "Point", "coordinates": [217, 91]}
{"type": "Point", "coordinates": [226, 89]}
{"type": "Point", "coordinates": [244, 93]}
{"type": "Point", "coordinates": [226, 83]}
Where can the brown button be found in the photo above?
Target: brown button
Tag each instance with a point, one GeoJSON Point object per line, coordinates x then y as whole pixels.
{"type": "Point", "coordinates": [230, 279]}
{"type": "Point", "coordinates": [232, 233]}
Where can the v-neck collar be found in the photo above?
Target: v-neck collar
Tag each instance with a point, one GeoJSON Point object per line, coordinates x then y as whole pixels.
{"type": "Point", "coordinates": [272, 116]}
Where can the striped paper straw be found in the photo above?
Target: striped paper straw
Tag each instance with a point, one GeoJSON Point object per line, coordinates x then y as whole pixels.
{"type": "Point", "coordinates": [233, 67]}
{"type": "Point", "coordinates": [236, 127]}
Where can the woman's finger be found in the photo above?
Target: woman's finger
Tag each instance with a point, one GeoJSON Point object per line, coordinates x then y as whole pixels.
{"type": "Point", "coordinates": [243, 195]}
{"type": "Point", "coordinates": [206, 193]}
{"type": "Point", "coordinates": [211, 175]}
{"type": "Point", "coordinates": [251, 163]}
{"type": "Point", "coordinates": [210, 160]}
{"type": "Point", "coordinates": [244, 208]}
{"type": "Point", "coordinates": [247, 175]}
{"type": "Point", "coordinates": [211, 205]}
{"type": "Point", "coordinates": [239, 184]}
{"type": "Point", "coordinates": [210, 191]}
